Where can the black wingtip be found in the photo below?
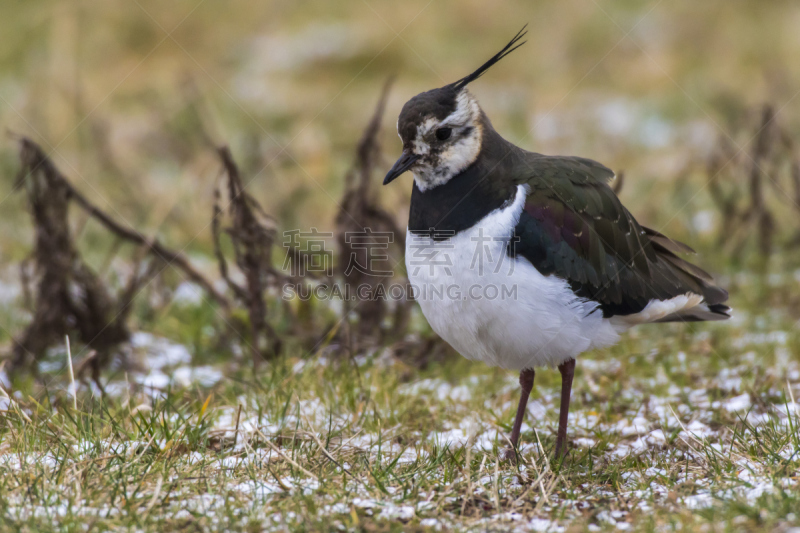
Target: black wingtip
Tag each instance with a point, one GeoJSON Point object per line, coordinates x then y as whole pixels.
{"type": "Point", "coordinates": [720, 309]}
{"type": "Point", "coordinates": [507, 49]}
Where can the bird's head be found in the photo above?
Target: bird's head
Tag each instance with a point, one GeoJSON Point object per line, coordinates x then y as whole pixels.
{"type": "Point", "coordinates": [442, 129]}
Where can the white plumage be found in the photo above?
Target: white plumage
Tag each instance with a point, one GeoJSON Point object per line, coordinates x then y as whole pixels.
{"type": "Point", "coordinates": [503, 311]}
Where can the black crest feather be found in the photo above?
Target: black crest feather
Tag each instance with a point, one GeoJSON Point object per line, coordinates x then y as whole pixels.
{"type": "Point", "coordinates": [510, 47]}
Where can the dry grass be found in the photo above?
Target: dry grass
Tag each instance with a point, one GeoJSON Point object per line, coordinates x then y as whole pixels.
{"type": "Point", "coordinates": [677, 427]}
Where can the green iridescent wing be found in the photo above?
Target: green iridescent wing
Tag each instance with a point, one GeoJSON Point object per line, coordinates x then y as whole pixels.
{"type": "Point", "coordinates": [574, 226]}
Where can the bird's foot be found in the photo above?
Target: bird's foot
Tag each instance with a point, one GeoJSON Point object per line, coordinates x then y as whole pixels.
{"type": "Point", "coordinates": [510, 454]}
{"type": "Point", "coordinates": [561, 452]}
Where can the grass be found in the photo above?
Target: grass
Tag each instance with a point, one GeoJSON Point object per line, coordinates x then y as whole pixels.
{"type": "Point", "coordinates": [677, 427]}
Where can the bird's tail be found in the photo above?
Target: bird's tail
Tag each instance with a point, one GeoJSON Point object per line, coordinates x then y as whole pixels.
{"type": "Point", "coordinates": [712, 306]}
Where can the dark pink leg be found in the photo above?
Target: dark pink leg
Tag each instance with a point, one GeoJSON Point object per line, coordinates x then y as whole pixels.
{"type": "Point", "coordinates": [526, 384]}
{"type": "Point", "coordinates": [567, 370]}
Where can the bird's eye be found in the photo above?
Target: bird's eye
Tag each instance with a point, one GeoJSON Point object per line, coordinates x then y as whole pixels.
{"type": "Point", "coordinates": [443, 133]}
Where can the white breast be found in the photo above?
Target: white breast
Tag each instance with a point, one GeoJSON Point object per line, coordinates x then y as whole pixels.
{"type": "Point", "coordinates": [496, 309]}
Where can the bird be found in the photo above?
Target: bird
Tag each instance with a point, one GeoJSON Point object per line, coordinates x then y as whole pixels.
{"type": "Point", "coordinates": [524, 260]}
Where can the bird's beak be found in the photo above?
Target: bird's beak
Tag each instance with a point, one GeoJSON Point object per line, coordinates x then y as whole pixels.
{"type": "Point", "coordinates": [402, 164]}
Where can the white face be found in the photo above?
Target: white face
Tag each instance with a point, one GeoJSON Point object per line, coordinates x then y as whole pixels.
{"type": "Point", "coordinates": [444, 158]}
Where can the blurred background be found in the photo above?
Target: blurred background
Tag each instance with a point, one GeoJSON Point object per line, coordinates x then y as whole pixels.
{"type": "Point", "coordinates": [130, 98]}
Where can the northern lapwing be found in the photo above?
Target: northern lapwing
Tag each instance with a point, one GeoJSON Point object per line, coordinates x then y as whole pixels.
{"type": "Point", "coordinates": [523, 260]}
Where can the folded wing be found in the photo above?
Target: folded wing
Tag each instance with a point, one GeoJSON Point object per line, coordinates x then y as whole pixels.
{"type": "Point", "coordinates": [574, 227]}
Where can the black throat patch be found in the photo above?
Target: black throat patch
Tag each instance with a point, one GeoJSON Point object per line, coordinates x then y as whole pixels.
{"type": "Point", "coordinates": [459, 204]}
